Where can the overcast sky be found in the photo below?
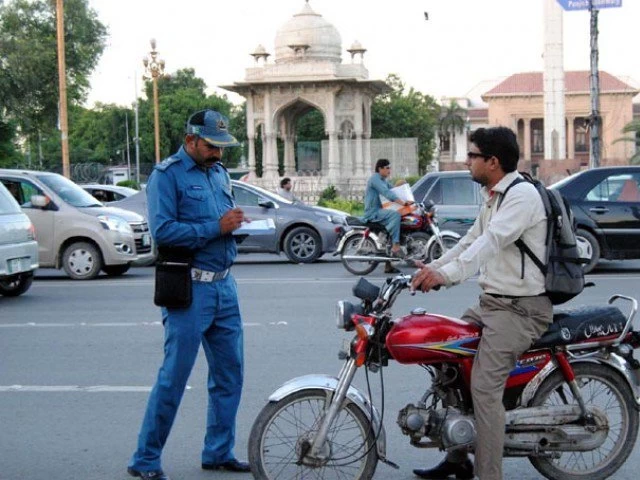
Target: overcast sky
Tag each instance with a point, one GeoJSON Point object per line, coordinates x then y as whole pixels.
{"type": "Point", "coordinates": [463, 43]}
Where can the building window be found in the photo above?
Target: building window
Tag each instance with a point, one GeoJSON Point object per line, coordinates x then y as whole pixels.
{"type": "Point", "coordinates": [581, 139]}
{"type": "Point", "coordinates": [445, 143]}
{"type": "Point", "coordinates": [537, 136]}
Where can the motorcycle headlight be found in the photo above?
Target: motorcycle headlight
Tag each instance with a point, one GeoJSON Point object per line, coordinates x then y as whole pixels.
{"type": "Point", "coordinates": [344, 312]}
{"type": "Point", "coordinates": [117, 224]}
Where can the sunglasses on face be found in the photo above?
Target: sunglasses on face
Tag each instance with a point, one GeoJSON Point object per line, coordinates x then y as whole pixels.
{"type": "Point", "coordinates": [472, 155]}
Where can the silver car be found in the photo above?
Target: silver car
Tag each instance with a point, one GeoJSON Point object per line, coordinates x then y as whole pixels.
{"type": "Point", "coordinates": [302, 232]}
{"type": "Point", "coordinates": [18, 247]}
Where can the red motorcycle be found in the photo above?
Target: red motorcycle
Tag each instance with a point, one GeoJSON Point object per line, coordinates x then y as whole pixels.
{"type": "Point", "coordinates": [572, 401]}
{"type": "Point", "coordinates": [363, 245]}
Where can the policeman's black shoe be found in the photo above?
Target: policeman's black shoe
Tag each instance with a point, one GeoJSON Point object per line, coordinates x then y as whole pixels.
{"type": "Point", "coordinates": [388, 268]}
{"type": "Point", "coordinates": [230, 465]}
{"type": "Point", "coordinates": [151, 475]}
{"type": "Point", "coordinates": [446, 469]}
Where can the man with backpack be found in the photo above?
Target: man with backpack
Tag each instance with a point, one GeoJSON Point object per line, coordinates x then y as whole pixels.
{"type": "Point", "coordinates": [514, 309]}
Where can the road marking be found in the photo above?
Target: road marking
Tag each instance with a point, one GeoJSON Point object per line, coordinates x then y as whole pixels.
{"type": "Point", "coordinates": [76, 388]}
{"type": "Point", "coordinates": [109, 324]}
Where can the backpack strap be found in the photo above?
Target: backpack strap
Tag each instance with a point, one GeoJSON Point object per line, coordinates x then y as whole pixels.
{"type": "Point", "coordinates": [519, 242]}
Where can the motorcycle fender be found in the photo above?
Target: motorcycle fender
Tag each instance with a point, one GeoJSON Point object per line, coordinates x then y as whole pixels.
{"type": "Point", "coordinates": [355, 396]}
{"type": "Point", "coordinates": [358, 231]}
{"type": "Point", "coordinates": [616, 362]}
{"type": "Point", "coordinates": [450, 233]}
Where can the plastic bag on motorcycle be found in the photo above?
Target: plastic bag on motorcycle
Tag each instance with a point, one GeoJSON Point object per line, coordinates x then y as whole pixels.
{"type": "Point", "coordinates": [562, 266]}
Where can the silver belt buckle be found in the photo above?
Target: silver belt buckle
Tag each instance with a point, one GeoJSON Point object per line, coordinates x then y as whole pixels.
{"type": "Point", "coordinates": [206, 276]}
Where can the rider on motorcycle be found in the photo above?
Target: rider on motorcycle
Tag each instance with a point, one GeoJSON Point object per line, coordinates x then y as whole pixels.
{"type": "Point", "coordinates": [513, 310]}
{"type": "Point", "coordinates": [373, 211]}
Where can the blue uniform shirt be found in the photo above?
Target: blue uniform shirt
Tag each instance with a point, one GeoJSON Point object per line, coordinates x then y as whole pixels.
{"type": "Point", "coordinates": [376, 186]}
{"type": "Point", "coordinates": [185, 206]}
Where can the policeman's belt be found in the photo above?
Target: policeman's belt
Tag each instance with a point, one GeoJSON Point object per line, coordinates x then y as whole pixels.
{"type": "Point", "coordinates": [198, 275]}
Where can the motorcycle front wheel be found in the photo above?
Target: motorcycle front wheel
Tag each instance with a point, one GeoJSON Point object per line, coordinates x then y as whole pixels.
{"type": "Point", "coordinates": [436, 251]}
{"type": "Point", "coordinates": [357, 245]}
{"type": "Point", "coordinates": [603, 388]}
{"type": "Point", "coordinates": [283, 432]}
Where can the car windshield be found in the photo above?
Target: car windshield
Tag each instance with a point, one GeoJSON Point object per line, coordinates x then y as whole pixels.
{"type": "Point", "coordinates": [267, 193]}
{"type": "Point", "coordinates": [68, 191]}
{"type": "Point", "coordinates": [564, 181]}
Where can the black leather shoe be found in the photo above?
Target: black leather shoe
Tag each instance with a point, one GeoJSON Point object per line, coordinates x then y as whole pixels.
{"type": "Point", "coordinates": [151, 475]}
{"type": "Point", "coordinates": [462, 471]}
{"type": "Point", "coordinates": [230, 465]}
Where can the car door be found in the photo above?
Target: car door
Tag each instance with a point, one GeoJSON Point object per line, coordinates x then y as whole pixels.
{"type": "Point", "coordinates": [43, 219]}
{"type": "Point", "coordinates": [613, 203]}
{"type": "Point", "coordinates": [457, 201]}
{"type": "Point", "coordinates": [250, 201]}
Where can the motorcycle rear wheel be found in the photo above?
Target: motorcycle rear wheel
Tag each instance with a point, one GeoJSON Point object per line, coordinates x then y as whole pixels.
{"type": "Point", "coordinates": [367, 247]}
{"type": "Point", "coordinates": [601, 387]}
{"type": "Point", "coordinates": [284, 428]}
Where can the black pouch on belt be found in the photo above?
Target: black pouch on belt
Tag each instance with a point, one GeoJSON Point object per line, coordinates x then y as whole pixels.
{"type": "Point", "coordinates": [173, 277]}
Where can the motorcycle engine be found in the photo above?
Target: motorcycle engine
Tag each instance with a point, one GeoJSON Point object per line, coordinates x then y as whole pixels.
{"type": "Point", "coordinates": [446, 427]}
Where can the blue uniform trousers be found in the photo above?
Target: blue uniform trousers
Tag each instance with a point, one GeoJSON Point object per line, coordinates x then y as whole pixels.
{"type": "Point", "coordinates": [391, 221]}
{"type": "Point", "coordinates": [213, 319]}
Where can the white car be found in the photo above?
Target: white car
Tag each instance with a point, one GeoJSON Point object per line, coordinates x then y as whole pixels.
{"type": "Point", "coordinates": [18, 247]}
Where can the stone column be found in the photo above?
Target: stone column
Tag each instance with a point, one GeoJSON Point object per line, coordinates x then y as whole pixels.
{"type": "Point", "coordinates": [571, 138]}
{"type": "Point", "coordinates": [289, 155]}
{"type": "Point", "coordinates": [527, 139]}
{"type": "Point", "coordinates": [367, 151]}
{"type": "Point", "coordinates": [360, 169]}
{"type": "Point", "coordinates": [270, 163]}
{"type": "Point", "coordinates": [334, 155]}
{"type": "Point", "coordinates": [252, 156]}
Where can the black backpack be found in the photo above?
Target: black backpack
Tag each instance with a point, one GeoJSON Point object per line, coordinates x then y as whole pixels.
{"type": "Point", "coordinates": [562, 267]}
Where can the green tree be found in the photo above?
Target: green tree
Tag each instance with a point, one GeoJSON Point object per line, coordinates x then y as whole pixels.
{"type": "Point", "coordinates": [406, 113]}
{"type": "Point", "coordinates": [633, 128]}
{"type": "Point", "coordinates": [9, 155]}
{"type": "Point", "coordinates": [28, 70]}
{"type": "Point", "coordinates": [452, 120]}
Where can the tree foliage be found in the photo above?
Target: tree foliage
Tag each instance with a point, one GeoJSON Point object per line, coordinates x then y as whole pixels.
{"type": "Point", "coordinates": [633, 128]}
{"type": "Point", "coordinates": [29, 70]}
{"type": "Point", "coordinates": [406, 113]}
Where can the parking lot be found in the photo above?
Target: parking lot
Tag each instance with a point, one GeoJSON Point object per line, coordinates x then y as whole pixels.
{"type": "Point", "coordinates": [77, 360]}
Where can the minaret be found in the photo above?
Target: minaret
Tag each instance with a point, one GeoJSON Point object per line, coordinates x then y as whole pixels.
{"type": "Point", "coordinates": [553, 80]}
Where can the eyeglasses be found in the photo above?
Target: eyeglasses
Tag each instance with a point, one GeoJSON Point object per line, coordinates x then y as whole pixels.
{"type": "Point", "coordinates": [472, 155]}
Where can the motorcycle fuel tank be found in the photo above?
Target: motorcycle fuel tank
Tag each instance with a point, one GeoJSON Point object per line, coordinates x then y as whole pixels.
{"type": "Point", "coordinates": [413, 221]}
{"type": "Point", "coordinates": [429, 338]}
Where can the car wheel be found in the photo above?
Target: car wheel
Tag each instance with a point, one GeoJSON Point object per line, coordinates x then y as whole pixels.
{"type": "Point", "coordinates": [82, 261]}
{"type": "Point", "coordinates": [589, 248]}
{"type": "Point", "coordinates": [116, 270]}
{"type": "Point", "coordinates": [17, 286]}
{"type": "Point", "coordinates": [302, 245]}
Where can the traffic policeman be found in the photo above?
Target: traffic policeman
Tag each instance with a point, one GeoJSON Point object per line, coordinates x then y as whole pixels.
{"type": "Point", "coordinates": [191, 207]}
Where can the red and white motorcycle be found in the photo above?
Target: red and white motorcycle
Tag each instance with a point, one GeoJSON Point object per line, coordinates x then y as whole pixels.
{"type": "Point", "coordinates": [363, 245]}
{"type": "Point", "coordinates": [572, 401]}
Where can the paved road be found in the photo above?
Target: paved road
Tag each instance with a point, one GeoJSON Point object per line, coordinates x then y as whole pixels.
{"type": "Point", "coordinates": [77, 360]}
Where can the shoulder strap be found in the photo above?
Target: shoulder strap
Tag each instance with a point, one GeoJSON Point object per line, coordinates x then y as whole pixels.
{"type": "Point", "coordinates": [515, 182]}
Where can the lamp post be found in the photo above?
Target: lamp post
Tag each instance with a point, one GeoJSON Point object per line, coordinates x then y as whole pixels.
{"type": "Point", "coordinates": [154, 67]}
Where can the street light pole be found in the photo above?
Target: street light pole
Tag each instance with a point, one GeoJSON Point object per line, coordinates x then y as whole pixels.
{"type": "Point", "coordinates": [154, 67]}
{"type": "Point", "coordinates": [595, 121]}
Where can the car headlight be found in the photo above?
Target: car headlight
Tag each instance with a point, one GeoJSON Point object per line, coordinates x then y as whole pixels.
{"type": "Point", "coordinates": [337, 219]}
{"type": "Point", "coordinates": [117, 224]}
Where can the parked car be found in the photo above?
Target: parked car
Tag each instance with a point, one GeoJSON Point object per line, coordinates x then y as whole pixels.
{"type": "Point", "coordinates": [455, 195]}
{"type": "Point", "coordinates": [18, 247]}
{"type": "Point", "coordinates": [606, 204]}
{"type": "Point", "coordinates": [108, 193]}
{"type": "Point", "coordinates": [75, 231]}
{"type": "Point", "coordinates": [302, 232]}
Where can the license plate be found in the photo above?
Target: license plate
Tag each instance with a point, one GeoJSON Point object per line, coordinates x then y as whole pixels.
{"type": "Point", "coordinates": [14, 265]}
{"type": "Point", "coordinates": [146, 240]}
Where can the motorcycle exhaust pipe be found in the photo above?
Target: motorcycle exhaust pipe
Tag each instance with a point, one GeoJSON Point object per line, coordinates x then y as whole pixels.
{"type": "Point", "coordinates": [369, 258]}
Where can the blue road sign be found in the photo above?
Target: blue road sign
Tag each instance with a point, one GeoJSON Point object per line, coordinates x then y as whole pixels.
{"type": "Point", "coordinates": [584, 4]}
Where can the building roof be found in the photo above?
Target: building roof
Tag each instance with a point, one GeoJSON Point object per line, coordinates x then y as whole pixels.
{"type": "Point", "coordinates": [531, 83]}
{"type": "Point", "coordinates": [478, 113]}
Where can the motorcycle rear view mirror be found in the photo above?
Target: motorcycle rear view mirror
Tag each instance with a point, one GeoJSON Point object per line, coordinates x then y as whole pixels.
{"type": "Point", "coordinates": [366, 291]}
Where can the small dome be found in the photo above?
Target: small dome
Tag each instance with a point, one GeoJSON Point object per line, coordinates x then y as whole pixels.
{"type": "Point", "coordinates": [356, 47]}
{"type": "Point", "coordinates": [320, 40]}
{"type": "Point", "coordinates": [260, 50]}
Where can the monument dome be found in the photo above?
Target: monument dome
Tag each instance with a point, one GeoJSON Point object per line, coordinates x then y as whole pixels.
{"type": "Point", "coordinates": [308, 37]}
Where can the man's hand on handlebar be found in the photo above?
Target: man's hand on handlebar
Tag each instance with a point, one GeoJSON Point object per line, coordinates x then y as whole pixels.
{"type": "Point", "coordinates": [427, 279]}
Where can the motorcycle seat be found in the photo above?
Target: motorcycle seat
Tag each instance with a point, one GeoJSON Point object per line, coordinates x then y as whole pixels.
{"type": "Point", "coordinates": [584, 323]}
{"type": "Point", "coordinates": [358, 222]}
